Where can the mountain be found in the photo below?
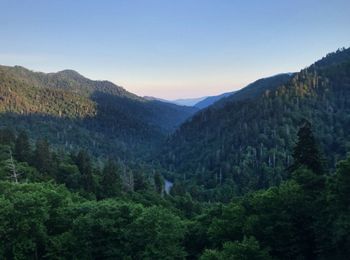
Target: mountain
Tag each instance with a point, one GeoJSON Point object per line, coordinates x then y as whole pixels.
{"type": "Point", "coordinates": [245, 141]}
{"type": "Point", "coordinates": [258, 87]}
{"type": "Point", "coordinates": [73, 111]}
{"type": "Point", "coordinates": [187, 101]}
{"type": "Point", "coordinates": [201, 102]}
{"type": "Point", "coordinates": [211, 100]}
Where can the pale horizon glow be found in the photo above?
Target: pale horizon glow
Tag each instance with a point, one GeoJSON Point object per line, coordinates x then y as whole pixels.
{"type": "Point", "coordinates": [172, 49]}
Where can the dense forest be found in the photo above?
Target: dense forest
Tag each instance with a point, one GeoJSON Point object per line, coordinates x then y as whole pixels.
{"type": "Point", "coordinates": [263, 173]}
{"type": "Point", "coordinates": [74, 112]}
{"type": "Point", "coordinates": [244, 142]}
{"type": "Point", "coordinates": [67, 206]}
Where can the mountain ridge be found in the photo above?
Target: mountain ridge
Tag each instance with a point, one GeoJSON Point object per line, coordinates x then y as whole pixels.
{"type": "Point", "coordinates": [245, 142]}
{"type": "Point", "coordinates": [93, 108]}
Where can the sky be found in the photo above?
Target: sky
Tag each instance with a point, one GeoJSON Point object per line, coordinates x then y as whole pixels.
{"type": "Point", "coordinates": [172, 48]}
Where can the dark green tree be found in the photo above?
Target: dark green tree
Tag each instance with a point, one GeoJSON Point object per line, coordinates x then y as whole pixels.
{"type": "Point", "coordinates": [248, 249]}
{"type": "Point", "coordinates": [42, 156]}
{"type": "Point", "coordinates": [306, 152]}
{"type": "Point", "coordinates": [158, 182]}
{"type": "Point", "coordinates": [157, 234]}
{"type": "Point", "coordinates": [342, 184]}
{"type": "Point", "coordinates": [341, 210]}
{"type": "Point", "coordinates": [22, 147]}
{"type": "Point", "coordinates": [7, 136]}
{"type": "Point", "coordinates": [68, 173]}
{"type": "Point", "coordinates": [140, 182]}
{"type": "Point", "coordinates": [84, 164]}
{"type": "Point", "coordinates": [111, 184]}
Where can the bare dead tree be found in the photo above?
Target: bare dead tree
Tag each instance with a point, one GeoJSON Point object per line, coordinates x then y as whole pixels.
{"type": "Point", "coordinates": [128, 180]}
{"type": "Point", "coordinates": [12, 167]}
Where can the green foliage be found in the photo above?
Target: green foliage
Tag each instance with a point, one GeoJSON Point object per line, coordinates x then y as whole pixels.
{"type": "Point", "coordinates": [247, 140]}
{"type": "Point", "coordinates": [299, 219]}
{"type": "Point", "coordinates": [340, 211]}
{"type": "Point", "coordinates": [159, 233]}
{"type": "Point", "coordinates": [158, 182]}
{"type": "Point", "coordinates": [7, 136]}
{"type": "Point", "coordinates": [84, 164]}
{"type": "Point", "coordinates": [79, 172]}
{"type": "Point", "coordinates": [42, 156]}
{"type": "Point", "coordinates": [76, 206]}
{"type": "Point", "coordinates": [342, 184]}
{"type": "Point", "coordinates": [311, 182]}
{"type": "Point", "coordinates": [111, 183]}
{"type": "Point", "coordinates": [46, 221]}
{"type": "Point", "coordinates": [305, 152]}
{"type": "Point", "coordinates": [29, 212]}
{"type": "Point", "coordinates": [73, 112]}
{"type": "Point", "coordinates": [248, 249]}
{"type": "Point", "coordinates": [22, 147]}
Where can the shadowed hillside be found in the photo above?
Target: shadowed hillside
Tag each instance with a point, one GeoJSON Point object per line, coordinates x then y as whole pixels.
{"type": "Point", "coordinates": [109, 116]}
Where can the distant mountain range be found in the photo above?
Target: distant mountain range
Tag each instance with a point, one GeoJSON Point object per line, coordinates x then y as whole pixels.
{"type": "Point", "coordinates": [187, 101]}
{"type": "Point", "coordinates": [201, 102]}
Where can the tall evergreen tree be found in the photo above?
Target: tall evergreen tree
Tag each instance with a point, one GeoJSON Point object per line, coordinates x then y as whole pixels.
{"type": "Point", "coordinates": [342, 184]}
{"type": "Point", "coordinates": [158, 182]}
{"type": "Point", "coordinates": [111, 183]}
{"type": "Point", "coordinates": [84, 164]}
{"type": "Point", "coordinates": [22, 147]}
{"type": "Point", "coordinates": [140, 182]}
{"type": "Point", "coordinates": [306, 152]}
{"type": "Point", "coordinates": [42, 156]}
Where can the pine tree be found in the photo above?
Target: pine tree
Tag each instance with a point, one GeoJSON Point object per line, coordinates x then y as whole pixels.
{"type": "Point", "coordinates": [306, 152]}
{"type": "Point", "coordinates": [111, 183]}
{"type": "Point", "coordinates": [158, 182]}
{"type": "Point", "coordinates": [307, 167]}
{"type": "Point", "coordinates": [140, 183]}
{"type": "Point", "coordinates": [342, 184]}
{"type": "Point", "coordinates": [84, 164]}
{"type": "Point", "coordinates": [22, 147]}
{"type": "Point", "coordinates": [42, 156]}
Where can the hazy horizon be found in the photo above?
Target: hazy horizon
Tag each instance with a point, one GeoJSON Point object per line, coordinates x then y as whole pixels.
{"type": "Point", "coordinates": [172, 50]}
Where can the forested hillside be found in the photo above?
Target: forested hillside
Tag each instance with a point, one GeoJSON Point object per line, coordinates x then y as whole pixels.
{"type": "Point", "coordinates": [190, 169]}
{"type": "Point", "coordinates": [55, 205]}
{"type": "Point", "coordinates": [74, 112]}
{"type": "Point", "coordinates": [245, 141]}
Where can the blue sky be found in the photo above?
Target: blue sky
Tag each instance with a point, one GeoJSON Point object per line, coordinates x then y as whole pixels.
{"type": "Point", "coordinates": [172, 48]}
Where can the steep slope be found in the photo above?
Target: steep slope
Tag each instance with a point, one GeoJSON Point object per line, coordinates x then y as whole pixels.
{"type": "Point", "coordinates": [258, 87]}
{"type": "Point", "coordinates": [245, 141]}
{"type": "Point", "coordinates": [74, 111]}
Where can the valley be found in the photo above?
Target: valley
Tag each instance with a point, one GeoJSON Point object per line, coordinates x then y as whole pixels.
{"type": "Point", "coordinates": [175, 130]}
{"type": "Point", "coordinates": [89, 170]}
